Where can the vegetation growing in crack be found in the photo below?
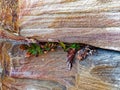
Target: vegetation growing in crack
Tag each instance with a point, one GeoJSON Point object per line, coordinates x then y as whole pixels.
{"type": "Point", "coordinates": [80, 50]}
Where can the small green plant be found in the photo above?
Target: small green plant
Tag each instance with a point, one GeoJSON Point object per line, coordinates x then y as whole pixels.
{"type": "Point", "coordinates": [75, 46]}
{"type": "Point", "coordinates": [35, 49]}
{"type": "Point", "coordinates": [63, 45]}
{"type": "Point", "coordinates": [67, 46]}
{"type": "Point", "coordinates": [49, 45]}
{"type": "Point", "coordinates": [70, 48]}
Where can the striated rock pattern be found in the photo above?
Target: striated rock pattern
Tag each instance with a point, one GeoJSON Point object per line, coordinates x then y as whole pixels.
{"type": "Point", "coordinates": [9, 15]}
{"type": "Point", "coordinates": [94, 22]}
{"type": "Point", "coordinates": [50, 68]}
{"type": "Point", "coordinates": [49, 71]}
{"type": "Point", "coordinates": [29, 84]}
{"type": "Point", "coordinates": [0, 66]}
{"type": "Point", "coordinates": [100, 72]}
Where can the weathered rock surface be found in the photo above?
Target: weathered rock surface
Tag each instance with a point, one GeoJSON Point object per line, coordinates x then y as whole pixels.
{"type": "Point", "coordinates": [9, 15]}
{"type": "Point", "coordinates": [100, 72]}
{"type": "Point", "coordinates": [94, 22]}
{"type": "Point", "coordinates": [6, 35]}
{"type": "Point", "coordinates": [29, 84]}
{"type": "Point", "coordinates": [97, 72]}
{"type": "Point", "coordinates": [51, 66]}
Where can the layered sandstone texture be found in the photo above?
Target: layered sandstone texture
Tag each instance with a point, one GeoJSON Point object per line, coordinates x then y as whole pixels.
{"type": "Point", "coordinates": [94, 22]}
{"type": "Point", "coordinates": [9, 15]}
{"type": "Point", "coordinates": [49, 71]}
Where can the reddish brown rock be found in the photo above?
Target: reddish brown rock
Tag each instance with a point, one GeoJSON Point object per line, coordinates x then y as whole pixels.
{"type": "Point", "coordinates": [9, 15]}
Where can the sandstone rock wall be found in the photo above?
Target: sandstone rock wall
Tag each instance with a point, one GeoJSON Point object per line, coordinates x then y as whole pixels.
{"type": "Point", "coordinates": [9, 15]}
{"type": "Point", "coordinates": [49, 71]}
{"type": "Point", "coordinates": [94, 22]}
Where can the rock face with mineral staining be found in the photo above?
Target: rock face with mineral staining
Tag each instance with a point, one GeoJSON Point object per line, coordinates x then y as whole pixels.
{"type": "Point", "coordinates": [97, 72]}
{"type": "Point", "coordinates": [9, 15]}
{"type": "Point", "coordinates": [100, 72]}
{"type": "Point", "coordinates": [94, 22]}
{"type": "Point", "coordinates": [0, 65]}
{"type": "Point", "coordinates": [5, 58]}
{"type": "Point", "coordinates": [50, 68]}
{"type": "Point", "coordinates": [6, 35]}
{"type": "Point", "coordinates": [29, 84]}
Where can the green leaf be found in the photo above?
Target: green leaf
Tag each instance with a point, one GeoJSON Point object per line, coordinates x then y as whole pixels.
{"type": "Point", "coordinates": [40, 51]}
{"type": "Point", "coordinates": [47, 49]}
{"type": "Point", "coordinates": [62, 45]}
{"type": "Point", "coordinates": [34, 52]}
{"type": "Point", "coordinates": [74, 46]}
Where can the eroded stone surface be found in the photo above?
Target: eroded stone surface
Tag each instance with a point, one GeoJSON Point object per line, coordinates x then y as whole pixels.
{"type": "Point", "coordinates": [97, 72]}
{"type": "Point", "coordinates": [51, 66]}
{"type": "Point", "coordinates": [30, 84]}
{"type": "Point", "coordinates": [94, 22]}
{"type": "Point", "coordinates": [100, 72]}
{"type": "Point", "coordinates": [9, 15]}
